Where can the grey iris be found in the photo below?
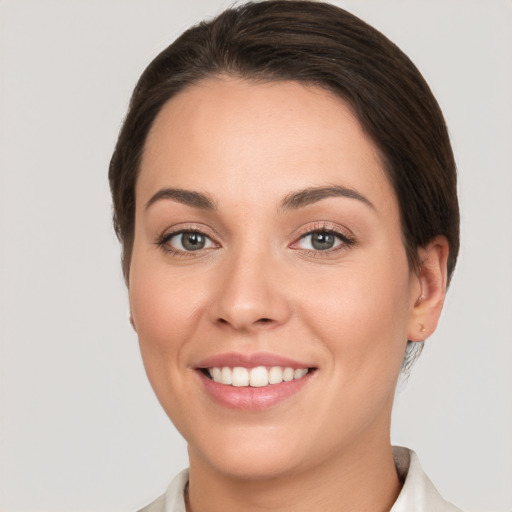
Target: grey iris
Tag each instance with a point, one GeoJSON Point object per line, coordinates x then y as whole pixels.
{"type": "Point", "coordinates": [322, 241]}
{"type": "Point", "coordinates": [193, 241]}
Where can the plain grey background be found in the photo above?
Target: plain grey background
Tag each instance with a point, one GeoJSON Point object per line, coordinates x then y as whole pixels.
{"type": "Point", "coordinates": [80, 428]}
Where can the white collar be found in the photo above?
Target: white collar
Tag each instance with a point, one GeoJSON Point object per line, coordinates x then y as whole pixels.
{"type": "Point", "coordinates": [418, 493]}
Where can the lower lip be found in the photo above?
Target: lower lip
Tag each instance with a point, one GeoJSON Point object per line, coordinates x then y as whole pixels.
{"type": "Point", "coordinates": [253, 399]}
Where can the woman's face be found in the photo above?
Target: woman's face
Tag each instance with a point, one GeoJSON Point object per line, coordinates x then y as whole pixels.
{"type": "Point", "coordinates": [267, 239]}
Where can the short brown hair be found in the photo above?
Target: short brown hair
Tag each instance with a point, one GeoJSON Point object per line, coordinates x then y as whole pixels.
{"type": "Point", "coordinates": [317, 44]}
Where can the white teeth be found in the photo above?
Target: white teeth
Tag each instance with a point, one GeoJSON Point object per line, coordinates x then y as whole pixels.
{"type": "Point", "coordinates": [299, 372]}
{"type": "Point", "coordinates": [257, 377]}
{"type": "Point", "coordinates": [226, 377]}
{"type": "Point", "coordinates": [275, 375]}
{"type": "Point", "coordinates": [239, 376]}
{"type": "Point", "coordinates": [288, 374]}
{"type": "Point", "coordinates": [216, 374]}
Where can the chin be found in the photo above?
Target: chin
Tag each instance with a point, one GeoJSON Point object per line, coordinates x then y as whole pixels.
{"type": "Point", "coordinates": [255, 465]}
{"type": "Point", "coordinates": [255, 455]}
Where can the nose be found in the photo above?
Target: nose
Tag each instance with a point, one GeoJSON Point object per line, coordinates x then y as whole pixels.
{"type": "Point", "coordinates": [250, 295]}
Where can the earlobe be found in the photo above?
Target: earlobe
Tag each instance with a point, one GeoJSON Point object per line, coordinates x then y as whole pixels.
{"type": "Point", "coordinates": [432, 277]}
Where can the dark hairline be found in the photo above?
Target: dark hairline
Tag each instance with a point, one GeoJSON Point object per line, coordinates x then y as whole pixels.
{"type": "Point", "coordinates": [336, 76]}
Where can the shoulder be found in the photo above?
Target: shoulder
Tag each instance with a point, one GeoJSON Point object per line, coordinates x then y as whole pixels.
{"type": "Point", "coordinates": [155, 506]}
{"type": "Point", "coordinates": [174, 498]}
{"type": "Point", "coordinates": [418, 492]}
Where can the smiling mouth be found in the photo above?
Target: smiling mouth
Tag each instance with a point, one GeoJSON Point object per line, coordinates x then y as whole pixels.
{"type": "Point", "coordinates": [257, 377]}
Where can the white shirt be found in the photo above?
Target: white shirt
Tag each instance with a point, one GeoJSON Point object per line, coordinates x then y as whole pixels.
{"type": "Point", "coordinates": [418, 494]}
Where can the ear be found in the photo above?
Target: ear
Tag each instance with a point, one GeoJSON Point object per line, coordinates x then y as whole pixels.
{"type": "Point", "coordinates": [132, 322]}
{"type": "Point", "coordinates": [432, 278]}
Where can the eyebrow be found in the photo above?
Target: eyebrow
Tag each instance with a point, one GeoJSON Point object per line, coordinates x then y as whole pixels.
{"type": "Point", "coordinates": [292, 201]}
{"type": "Point", "coordinates": [187, 197]}
{"type": "Point", "coordinates": [311, 195]}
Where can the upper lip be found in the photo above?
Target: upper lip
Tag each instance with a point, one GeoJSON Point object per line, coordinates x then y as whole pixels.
{"type": "Point", "coordinates": [232, 359]}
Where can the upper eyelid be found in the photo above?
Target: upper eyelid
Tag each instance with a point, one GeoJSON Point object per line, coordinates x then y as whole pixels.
{"type": "Point", "coordinates": [324, 226]}
{"type": "Point", "coordinates": [168, 233]}
{"type": "Point", "coordinates": [172, 234]}
{"type": "Point", "coordinates": [343, 238]}
{"type": "Point", "coordinates": [308, 229]}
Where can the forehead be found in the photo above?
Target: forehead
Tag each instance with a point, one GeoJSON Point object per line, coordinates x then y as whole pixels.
{"type": "Point", "coordinates": [259, 140]}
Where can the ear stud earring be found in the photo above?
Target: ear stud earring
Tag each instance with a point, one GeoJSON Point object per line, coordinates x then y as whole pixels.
{"type": "Point", "coordinates": [422, 328]}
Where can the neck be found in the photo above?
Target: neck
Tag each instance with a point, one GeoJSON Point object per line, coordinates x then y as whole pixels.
{"type": "Point", "coordinates": [363, 477]}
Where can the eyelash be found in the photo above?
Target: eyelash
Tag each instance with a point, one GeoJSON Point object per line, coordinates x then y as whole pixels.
{"type": "Point", "coordinates": [346, 241]}
{"type": "Point", "coordinates": [163, 242]}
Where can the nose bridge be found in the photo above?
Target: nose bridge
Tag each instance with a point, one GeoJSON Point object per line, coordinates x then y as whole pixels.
{"type": "Point", "coordinates": [250, 294]}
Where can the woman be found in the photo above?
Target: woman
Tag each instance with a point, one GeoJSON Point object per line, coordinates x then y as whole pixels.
{"type": "Point", "coordinates": [285, 194]}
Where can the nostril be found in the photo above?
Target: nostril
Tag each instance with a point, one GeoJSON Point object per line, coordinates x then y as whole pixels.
{"type": "Point", "coordinates": [260, 322]}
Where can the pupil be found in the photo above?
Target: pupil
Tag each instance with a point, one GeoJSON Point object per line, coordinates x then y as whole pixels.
{"type": "Point", "coordinates": [322, 241]}
{"type": "Point", "coordinates": [192, 241]}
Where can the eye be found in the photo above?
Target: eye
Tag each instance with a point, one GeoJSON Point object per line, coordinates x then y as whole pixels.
{"type": "Point", "coordinates": [323, 240]}
{"type": "Point", "coordinates": [187, 241]}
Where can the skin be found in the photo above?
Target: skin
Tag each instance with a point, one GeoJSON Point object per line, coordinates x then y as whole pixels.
{"type": "Point", "coordinates": [260, 286]}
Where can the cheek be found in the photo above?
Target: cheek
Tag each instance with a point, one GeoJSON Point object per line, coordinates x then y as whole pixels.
{"type": "Point", "coordinates": [361, 315]}
{"type": "Point", "coordinates": [165, 310]}
{"type": "Point", "coordinates": [164, 307]}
